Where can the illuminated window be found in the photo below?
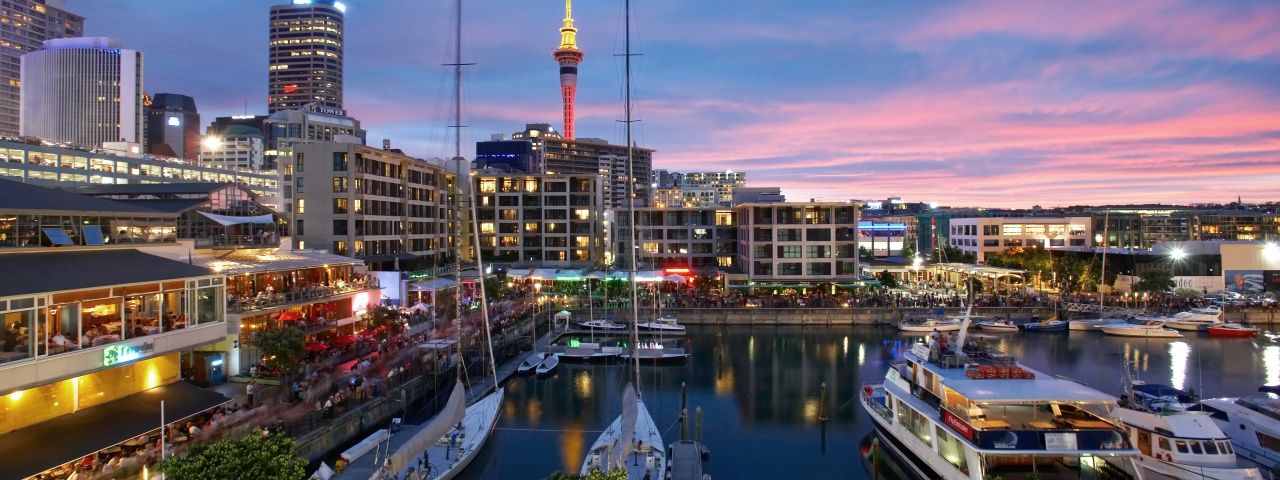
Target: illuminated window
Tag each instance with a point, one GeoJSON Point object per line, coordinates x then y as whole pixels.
{"type": "Point", "coordinates": [301, 205]}
{"type": "Point", "coordinates": [582, 214]}
{"type": "Point", "coordinates": [488, 185]}
{"type": "Point", "coordinates": [486, 227]}
{"type": "Point", "coordinates": [1013, 229]}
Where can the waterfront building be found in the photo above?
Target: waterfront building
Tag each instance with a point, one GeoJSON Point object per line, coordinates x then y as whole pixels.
{"type": "Point", "coordinates": [722, 183]}
{"type": "Point", "coordinates": [49, 164]}
{"type": "Point", "coordinates": [591, 156]}
{"type": "Point", "coordinates": [173, 126]}
{"type": "Point", "coordinates": [888, 236]}
{"type": "Point", "coordinates": [96, 331]}
{"type": "Point", "coordinates": [85, 91]}
{"type": "Point", "coordinates": [688, 240]}
{"type": "Point", "coordinates": [237, 147]}
{"type": "Point", "coordinates": [304, 55]}
{"type": "Point", "coordinates": [686, 197]}
{"type": "Point", "coordinates": [981, 236]}
{"type": "Point", "coordinates": [798, 242]}
{"type": "Point", "coordinates": [549, 220]}
{"type": "Point", "coordinates": [757, 195]}
{"type": "Point", "coordinates": [27, 24]}
{"type": "Point", "coordinates": [376, 205]}
{"type": "Point", "coordinates": [211, 215]}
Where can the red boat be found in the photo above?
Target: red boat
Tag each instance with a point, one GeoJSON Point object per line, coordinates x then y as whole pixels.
{"type": "Point", "coordinates": [1232, 330]}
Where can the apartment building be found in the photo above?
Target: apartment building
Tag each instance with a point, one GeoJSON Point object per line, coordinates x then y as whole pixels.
{"type": "Point", "coordinates": [981, 236]}
{"type": "Point", "coordinates": [805, 242]}
{"type": "Point", "coordinates": [549, 220]}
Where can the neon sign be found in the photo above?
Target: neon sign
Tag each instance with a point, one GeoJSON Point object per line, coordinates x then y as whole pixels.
{"type": "Point", "coordinates": [123, 353]}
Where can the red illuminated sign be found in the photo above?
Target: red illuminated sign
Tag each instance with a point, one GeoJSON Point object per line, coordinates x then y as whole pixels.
{"type": "Point", "coordinates": [290, 88]}
{"type": "Point", "coordinates": [960, 426]}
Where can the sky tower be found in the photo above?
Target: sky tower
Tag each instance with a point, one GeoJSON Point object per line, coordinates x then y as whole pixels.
{"type": "Point", "coordinates": [568, 56]}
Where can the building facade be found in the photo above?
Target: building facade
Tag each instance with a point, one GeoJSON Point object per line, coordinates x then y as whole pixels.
{"type": "Point", "coordinates": [83, 91]}
{"type": "Point", "coordinates": [304, 55]}
{"type": "Point", "coordinates": [43, 164]}
{"type": "Point", "coordinates": [700, 240]}
{"type": "Point", "coordinates": [757, 195]}
{"type": "Point", "coordinates": [592, 156]}
{"type": "Point", "coordinates": [803, 242]}
{"type": "Point", "coordinates": [550, 220]}
{"type": "Point", "coordinates": [236, 147]}
{"type": "Point", "coordinates": [981, 236]}
{"type": "Point", "coordinates": [173, 126]}
{"type": "Point", "coordinates": [723, 183]}
{"type": "Point", "coordinates": [891, 236]}
{"type": "Point", "coordinates": [377, 205]}
{"type": "Point", "coordinates": [686, 197]}
{"type": "Point", "coordinates": [27, 24]}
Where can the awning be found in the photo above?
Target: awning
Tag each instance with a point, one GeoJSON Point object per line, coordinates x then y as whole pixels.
{"type": "Point", "coordinates": [432, 285]}
{"type": "Point", "coordinates": [73, 436]}
{"type": "Point", "coordinates": [595, 275]}
{"type": "Point", "coordinates": [569, 275]}
{"type": "Point", "coordinates": [543, 274]}
{"type": "Point", "coordinates": [227, 220]}
{"type": "Point", "coordinates": [518, 273]}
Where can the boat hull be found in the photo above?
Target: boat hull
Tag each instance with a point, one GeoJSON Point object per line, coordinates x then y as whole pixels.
{"type": "Point", "coordinates": [997, 328]}
{"type": "Point", "coordinates": [1189, 325]}
{"type": "Point", "coordinates": [593, 358]}
{"type": "Point", "coordinates": [661, 328]}
{"type": "Point", "coordinates": [930, 328]}
{"type": "Point", "coordinates": [1141, 332]}
{"type": "Point", "coordinates": [1052, 327]}
{"type": "Point", "coordinates": [1232, 332]}
{"type": "Point", "coordinates": [607, 327]}
{"type": "Point", "coordinates": [491, 403]}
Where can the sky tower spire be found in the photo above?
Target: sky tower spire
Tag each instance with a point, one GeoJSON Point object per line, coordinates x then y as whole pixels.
{"type": "Point", "coordinates": [568, 56]}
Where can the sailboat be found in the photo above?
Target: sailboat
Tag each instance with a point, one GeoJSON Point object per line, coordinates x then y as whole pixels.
{"type": "Point", "coordinates": [444, 447]}
{"type": "Point", "coordinates": [632, 442]}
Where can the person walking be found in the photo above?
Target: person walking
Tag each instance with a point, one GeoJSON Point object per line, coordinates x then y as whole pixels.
{"type": "Point", "coordinates": [249, 391]}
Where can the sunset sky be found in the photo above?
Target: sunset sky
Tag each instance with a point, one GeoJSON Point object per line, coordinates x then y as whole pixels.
{"type": "Point", "coordinates": [964, 103]}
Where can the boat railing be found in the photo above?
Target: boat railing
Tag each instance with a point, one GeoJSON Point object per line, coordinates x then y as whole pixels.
{"type": "Point", "coordinates": [877, 401]}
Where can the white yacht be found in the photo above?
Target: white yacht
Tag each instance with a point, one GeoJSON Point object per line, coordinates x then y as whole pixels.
{"type": "Point", "coordinates": [996, 325]}
{"type": "Point", "coordinates": [1184, 445]}
{"type": "Point", "coordinates": [1196, 318]}
{"type": "Point", "coordinates": [1253, 424]}
{"type": "Point", "coordinates": [982, 415]}
{"type": "Point", "coordinates": [602, 324]}
{"type": "Point", "coordinates": [931, 325]}
{"type": "Point", "coordinates": [1148, 328]}
{"type": "Point", "coordinates": [663, 324]}
{"type": "Point", "coordinates": [1095, 324]}
{"type": "Point", "coordinates": [632, 443]}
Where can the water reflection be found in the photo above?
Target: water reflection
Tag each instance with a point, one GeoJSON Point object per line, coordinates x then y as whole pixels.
{"type": "Point", "coordinates": [1178, 354]}
{"type": "Point", "coordinates": [760, 390]}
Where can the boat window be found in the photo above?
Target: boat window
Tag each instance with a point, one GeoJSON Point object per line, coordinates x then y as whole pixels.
{"type": "Point", "coordinates": [1211, 447]}
{"type": "Point", "coordinates": [1164, 443]}
{"type": "Point", "coordinates": [1195, 447]}
{"type": "Point", "coordinates": [1182, 446]}
{"type": "Point", "coordinates": [1225, 447]}
{"type": "Point", "coordinates": [951, 449]}
{"type": "Point", "coordinates": [1268, 442]}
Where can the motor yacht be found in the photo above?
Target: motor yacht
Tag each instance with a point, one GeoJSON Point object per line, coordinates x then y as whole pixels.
{"type": "Point", "coordinates": [930, 325]}
{"type": "Point", "coordinates": [1253, 424]}
{"type": "Point", "coordinates": [1232, 330]}
{"type": "Point", "coordinates": [1148, 328]}
{"type": "Point", "coordinates": [602, 324]}
{"type": "Point", "coordinates": [1050, 325]}
{"type": "Point", "coordinates": [1095, 324]}
{"type": "Point", "coordinates": [1196, 319]}
{"type": "Point", "coordinates": [996, 325]}
{"type": "Point", "coordinates": [663, 324]}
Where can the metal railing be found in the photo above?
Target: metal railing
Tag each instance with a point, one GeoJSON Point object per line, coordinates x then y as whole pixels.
{"type": "Point", "coordinates": [306, 294]}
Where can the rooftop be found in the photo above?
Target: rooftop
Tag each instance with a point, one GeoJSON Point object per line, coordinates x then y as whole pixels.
{"type": "Point", "coordinates": [60, 270]}
{"type": "Point", "coordinates": [23, 197]}
{"type": "Point", "coordinates": [244, 261]}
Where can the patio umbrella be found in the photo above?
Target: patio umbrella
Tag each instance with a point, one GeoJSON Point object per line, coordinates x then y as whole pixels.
{"type": "Point", "coordinates": [290, 316]}
{"type": "Point", "coordinates": [674, 278]}
{"type": "Point", "coordinates": [344, 340]}
{"type": "Point", "coordinates": [316, 346]}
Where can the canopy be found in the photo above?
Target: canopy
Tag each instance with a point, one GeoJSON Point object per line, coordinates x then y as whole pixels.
{"type": "Point", "coordinates": [36, 448]}
{"type": "Point", "coordinates": [433, 431]}
{"type": "Point", "coordinates": [674, 278]}
{"type": "Point", "coordinates": [344, 340]}
{"type": "Point", "coordinates": [543, 274]}
{"type": "Point", "coordinates": [290, 316]}
{"type": "Point", "coordinates": [518, 273]}
{"type": "Point", "coordinates": [432, 285]}
{"type": "Point", "coordinates": [316, 346]}
{"type": "Point", "coordinates": [227, 220]}
{"type": "Point", "coordinates": [595, 275]}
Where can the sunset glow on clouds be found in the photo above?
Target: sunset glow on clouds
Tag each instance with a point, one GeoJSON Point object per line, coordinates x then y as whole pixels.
{"type": "Point", "coordinates": [964, 103]}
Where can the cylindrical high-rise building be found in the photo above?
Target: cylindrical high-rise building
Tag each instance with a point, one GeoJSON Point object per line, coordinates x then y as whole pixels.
{"type": "Point", "coordinates": [304, 55]}
{"type": "Point", "coordinates": [83, 91]}
{"type": "Point", "coordinates": [568, 56]}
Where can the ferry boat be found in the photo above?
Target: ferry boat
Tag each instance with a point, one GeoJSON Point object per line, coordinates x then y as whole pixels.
{"type": "Point", "coordinates": [980, 414]}
{"type": "Point", "coordinates": [931, 325]}
{"type": "Point", "coordinates": [1253, 424]}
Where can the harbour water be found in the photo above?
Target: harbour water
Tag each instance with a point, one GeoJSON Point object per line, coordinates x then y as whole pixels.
{"type": "Point", "coordinates": [762, 397]}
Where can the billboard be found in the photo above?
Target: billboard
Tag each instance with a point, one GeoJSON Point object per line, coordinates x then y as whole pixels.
{"type": "Point", "coordinates": [1252, 281]}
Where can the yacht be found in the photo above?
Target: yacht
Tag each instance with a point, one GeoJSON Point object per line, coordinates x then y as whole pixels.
{"type": "Point", "coordinates": [997, 325]}
{"type": "Point", "coordinates": [1148, 328]}
{"type": "Point", "coordinates": [980, 414]}
{"type": "Point", "coordinates": [587, 352]}
{"type": "Point", "coordinates": [663, 324]}
{"type": "Point", "coordinates": [931, 325]}
{"type": "Point", "coordinates": [1196, 318]}
{"type": "Point", "coordinates": [1053, 324]}
{"type": "Point", "coordinates": [1094, 324]}
{"type": "Point", "coordinates": [1232, 330]}
{"type": "Point", "coordinates": [602, 324]}
{"type": "Point", "coordinates": [1253, 424]}
{"type": "Point", "coordinates": [1175, 441]}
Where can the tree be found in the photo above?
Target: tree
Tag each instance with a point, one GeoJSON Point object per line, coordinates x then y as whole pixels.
{"type": "Point", "coordinates": [282, 348]}
{"type": "Point", "coordinates": [384, 321]}
{"type": "Point", "coordinates": [908, 251]}
{"type": "Point", "coordinates": [1154, 280]}
{"type": "Point", "coordinates": [254, 456]}
{"type": "Point", "coordinates": [887, 279]}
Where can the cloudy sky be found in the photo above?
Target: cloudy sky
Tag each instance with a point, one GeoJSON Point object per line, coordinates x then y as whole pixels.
{"type": "Point", "coordinates": [964, 103]}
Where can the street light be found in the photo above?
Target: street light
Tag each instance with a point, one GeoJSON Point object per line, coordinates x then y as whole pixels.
{"type": "Point", "coordinates": [1178, 253]}
{"type": "Point", "coordinates": [211, 143]}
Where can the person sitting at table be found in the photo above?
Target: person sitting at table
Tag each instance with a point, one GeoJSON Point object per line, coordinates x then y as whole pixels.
{"type": "Point", "coordinates": [60, 341]}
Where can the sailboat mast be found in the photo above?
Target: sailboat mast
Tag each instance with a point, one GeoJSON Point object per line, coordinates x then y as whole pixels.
{"type": "Point", "coordinates": [631, 200]}
{"type": "Point", "coordinates": [457, 195]}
